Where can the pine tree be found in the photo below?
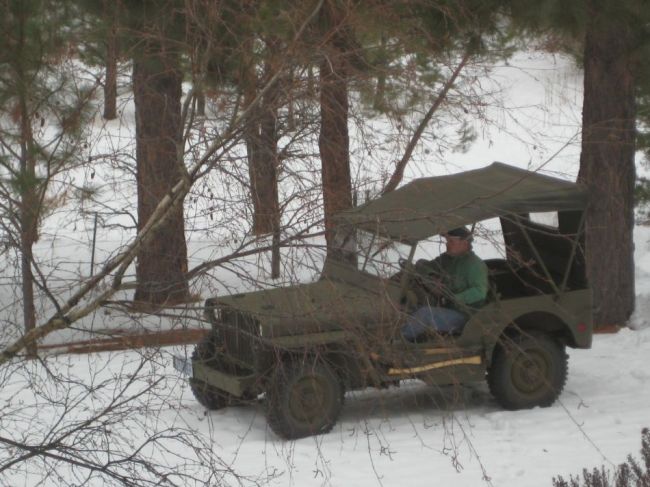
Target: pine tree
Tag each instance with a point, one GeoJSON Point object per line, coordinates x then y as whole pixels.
{"type": "Point", "coordinates": [153, 34]}
{"type": "Point", "coordinates": [162, 264]}
{"type": "Point", "coordinates": [607, 159]}
{"type": "Point", "coordinates": [111, 16]}
{"type": "Point", "coordinates": [611, 36]}
{"type": "Point", "coordinates": [334, 140]}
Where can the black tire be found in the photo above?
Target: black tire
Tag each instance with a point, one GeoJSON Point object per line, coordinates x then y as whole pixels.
{"type": "Point", "coordinates": [527, 371]}
{"type": "Point", "coordinates": [210, 397]}
{"type": "Point", "coordinates": [303, 399]}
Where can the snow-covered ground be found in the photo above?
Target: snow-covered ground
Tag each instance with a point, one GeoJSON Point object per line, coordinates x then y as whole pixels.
{"type": "Point", "coordinates": [414, 435]}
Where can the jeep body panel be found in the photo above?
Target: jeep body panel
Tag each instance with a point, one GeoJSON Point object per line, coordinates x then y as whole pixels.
{"type": "Point", "coordinates": [572, 309]}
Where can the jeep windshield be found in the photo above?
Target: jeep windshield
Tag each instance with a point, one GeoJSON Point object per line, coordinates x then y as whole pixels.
{"type": "Point", "coordinates": [378, 255]}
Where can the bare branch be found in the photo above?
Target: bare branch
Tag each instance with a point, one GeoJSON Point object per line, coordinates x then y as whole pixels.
{"type": "Point", "coordinates": [398, 174]}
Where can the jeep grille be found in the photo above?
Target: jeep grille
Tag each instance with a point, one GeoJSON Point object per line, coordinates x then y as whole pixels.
{"type": "Point", "coordinates": [239, 335]}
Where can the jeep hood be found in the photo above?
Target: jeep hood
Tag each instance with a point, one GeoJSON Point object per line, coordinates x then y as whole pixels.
{"type": "Point", "coordinates": [325, 305]}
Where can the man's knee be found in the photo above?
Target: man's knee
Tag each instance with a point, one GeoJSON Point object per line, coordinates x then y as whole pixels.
{"type": "Point", "coordinates": [451, 321]}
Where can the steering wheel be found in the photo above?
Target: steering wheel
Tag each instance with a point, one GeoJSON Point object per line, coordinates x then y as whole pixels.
{"type": "Point", "coordinates": [431, 287]}
{"type": "Point", "coordinates": [417, 288]}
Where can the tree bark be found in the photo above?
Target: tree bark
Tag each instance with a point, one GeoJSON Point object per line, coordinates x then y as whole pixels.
{"type": "Point", "coordinates": [269, 166]}
{"type": "Point", "coordinates": [29, 207]}
{"type": "Point", "coordinates": [28, 184]}
{"type": "Point", "coordinates": [607, 166]}
{"type": "Point", "coordinates": [261, 135]}
{"type": "Point", "coordinates": [110, 83]}
{"type": "Point", "coordinates": [334, 141]}
{"type": "Point", "coordinates": [262, 147]}
{"type": "Point", "coordinates": [162, 263]}
{"type": "Point", "coordinates": [200, 101]}
{"type": "Point", "coordinates": [29, 310]}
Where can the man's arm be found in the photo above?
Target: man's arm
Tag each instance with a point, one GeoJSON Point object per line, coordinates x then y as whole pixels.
{"type": "Point", "coordinates": [477, 278]}
{"type": "Point", "coordinates": [430, 275]}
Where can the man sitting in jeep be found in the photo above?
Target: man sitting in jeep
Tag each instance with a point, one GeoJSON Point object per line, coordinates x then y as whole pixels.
{"type": "Point", "coordinates": [457, 284]}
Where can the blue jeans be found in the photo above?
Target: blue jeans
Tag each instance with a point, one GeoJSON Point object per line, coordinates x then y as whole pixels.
{"type": "Point", "coordinates": [434, 318]}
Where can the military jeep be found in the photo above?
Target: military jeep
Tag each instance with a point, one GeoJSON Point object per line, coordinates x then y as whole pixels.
{"type": "Point", "coordinates": [302, 347]}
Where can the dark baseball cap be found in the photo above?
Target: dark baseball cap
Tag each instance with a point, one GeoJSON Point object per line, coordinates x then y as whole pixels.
{"type": "Point", "coordinates": [460, 232]}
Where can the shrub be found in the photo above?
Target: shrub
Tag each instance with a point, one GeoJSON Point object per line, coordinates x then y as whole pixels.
{"type": "Point", "coordinates": [628, 474]}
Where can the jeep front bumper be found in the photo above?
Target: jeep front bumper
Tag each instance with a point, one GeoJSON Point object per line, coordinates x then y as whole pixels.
{"type": "Point", "coordinates": [237, 385]}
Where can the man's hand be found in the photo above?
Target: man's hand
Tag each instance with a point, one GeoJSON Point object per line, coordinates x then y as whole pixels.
{"type": "Point", "coordinates": [432, 284]}
{"type": "Point", "coordinates": [423, 266]}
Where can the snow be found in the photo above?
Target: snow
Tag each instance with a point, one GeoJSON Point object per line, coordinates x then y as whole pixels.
{"type": "Point", "coordinates": [412, 435]}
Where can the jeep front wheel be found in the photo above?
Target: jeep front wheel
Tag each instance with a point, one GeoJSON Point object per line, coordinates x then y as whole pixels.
{"type": "Point", "coordinates": [528, 371]}
{"type": "Point", "coordinates": [303, 399]}
{"type": "Point", "coordinates": [210, 397]}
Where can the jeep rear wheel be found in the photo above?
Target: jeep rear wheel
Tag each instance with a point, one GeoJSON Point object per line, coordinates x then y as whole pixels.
{"type": "Point", "coordinates": [303, 399]}
{"type": "Point", "coordinates": [210, 397]}
{"type": "Point", "coordinates": [528, 371]}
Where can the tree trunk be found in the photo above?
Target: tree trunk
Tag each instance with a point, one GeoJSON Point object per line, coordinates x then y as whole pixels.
{"type": "Point", "coordinates": [262, 146]}
{"type": "Point", "coordinates": [607, 166]}
{"type": "Point", "coordinates": [333, 141]}
{"type": "Point", "coordinates": [29, 310]}
{"type": "Point", "coordinates": [29, 207]}
{"type": "Point", "coordinates": [267, 171]}
{"type": "Point", "coordinates": [110, 84]}
{"type": "Point", "coordinates": [261, 135]}
{"type": "Point", "coordinates": [288, 90]}
{"type": "Point", "coordinates": [28, 184]}
{"type": "Point", "coordinates": [161, 264]}
{"type": "Point", "coordinates": [200, 102]}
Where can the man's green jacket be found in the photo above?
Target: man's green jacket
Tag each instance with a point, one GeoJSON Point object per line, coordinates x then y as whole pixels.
{"type": "Point", "coordinates": [464, 278]}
